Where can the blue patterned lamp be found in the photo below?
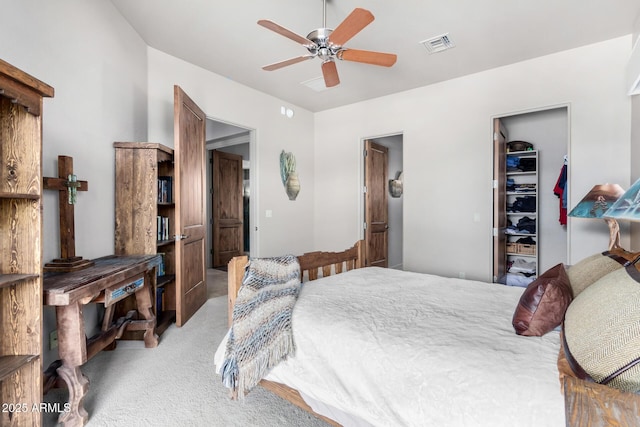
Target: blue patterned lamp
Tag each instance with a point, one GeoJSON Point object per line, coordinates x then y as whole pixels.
{"type": "Point", "coordinates": [627, 206]}
{"type": "Point", "coordinates": [594, 205]}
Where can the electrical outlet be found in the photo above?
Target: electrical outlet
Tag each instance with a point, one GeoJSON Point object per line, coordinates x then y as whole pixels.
{"type": "Point", "coordinates": [53, 340]}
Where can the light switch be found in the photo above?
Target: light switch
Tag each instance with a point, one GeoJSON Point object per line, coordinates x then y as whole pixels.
{"type": "Point", "coordinates": [268, 213]}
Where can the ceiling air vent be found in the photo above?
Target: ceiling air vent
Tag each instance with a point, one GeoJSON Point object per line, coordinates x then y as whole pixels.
{"type": "Point", "coordinates": [316, 84]}
{"type": "Point", "coordinates": [438, 44]}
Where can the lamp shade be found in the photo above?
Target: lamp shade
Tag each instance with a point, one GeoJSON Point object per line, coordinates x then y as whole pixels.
{"type": "Point", "coordinates": [627, 206]}
{"type": "Point", "coordinates": [597, 201]}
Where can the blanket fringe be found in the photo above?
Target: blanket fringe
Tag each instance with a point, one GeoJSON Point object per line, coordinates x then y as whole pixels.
{"type": "Point", "coordinates": [264, 361]}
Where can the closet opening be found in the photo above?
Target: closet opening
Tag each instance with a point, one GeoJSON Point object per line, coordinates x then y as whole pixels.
{"type": "Point", "coordinates": [531, 169]}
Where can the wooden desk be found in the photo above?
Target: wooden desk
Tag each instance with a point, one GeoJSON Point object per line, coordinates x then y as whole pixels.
{"type": "Point", "coordinates": [109, 280]}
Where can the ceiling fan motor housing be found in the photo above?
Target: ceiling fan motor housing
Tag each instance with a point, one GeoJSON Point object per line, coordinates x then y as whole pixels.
{"type": "Point", "coordinates": [322, 47]}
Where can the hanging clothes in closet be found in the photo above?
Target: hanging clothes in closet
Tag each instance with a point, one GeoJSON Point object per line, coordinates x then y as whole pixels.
{"type": "Point", "coordinates": [561, 191]}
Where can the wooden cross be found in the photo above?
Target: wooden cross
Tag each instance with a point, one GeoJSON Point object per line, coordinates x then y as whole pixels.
{"type": "Point", "coordinates": [67, 186]}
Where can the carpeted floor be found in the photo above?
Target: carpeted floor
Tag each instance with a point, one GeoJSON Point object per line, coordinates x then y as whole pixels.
{"type": "Point", "coordinates": [175, 383]}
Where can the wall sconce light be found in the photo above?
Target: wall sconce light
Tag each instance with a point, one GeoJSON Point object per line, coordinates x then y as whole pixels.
{"type": "Point", "coordinates": [395, 185]}
{"type": "Point", "coordinates": [289, 175]}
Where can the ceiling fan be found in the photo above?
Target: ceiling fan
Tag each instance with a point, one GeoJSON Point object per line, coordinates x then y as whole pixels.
{"type": "Point", "coordinates": [328, 44]}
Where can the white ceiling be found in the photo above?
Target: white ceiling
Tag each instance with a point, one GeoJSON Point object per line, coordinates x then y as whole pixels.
{"type": "Point", "coordinates": [222, 36]}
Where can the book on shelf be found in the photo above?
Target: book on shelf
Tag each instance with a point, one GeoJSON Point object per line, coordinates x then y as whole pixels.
{"type": "Point", "coordinates": [161, 270]}
{"type": "Point", "coordinates": [163, 228]}
{"type": "Point", "coordinates": [159, 300]}
{"type": "Point", "coordinates": [165, 189]}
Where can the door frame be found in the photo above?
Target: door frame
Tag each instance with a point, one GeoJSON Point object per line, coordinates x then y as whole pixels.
{"type": "Point", "coordinates": [361, 181]}
{"type": "Point", "coordinates": [253, 179]}
{"type": "Point", "coordinates": [566, 106]}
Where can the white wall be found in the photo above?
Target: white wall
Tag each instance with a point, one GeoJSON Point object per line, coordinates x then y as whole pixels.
{"type": "Point", "coordinates": [97, 66]}
{"type": "Point", "coordinates": [448, 153]}
{"type": "Point", "coordinates": [290, 229]}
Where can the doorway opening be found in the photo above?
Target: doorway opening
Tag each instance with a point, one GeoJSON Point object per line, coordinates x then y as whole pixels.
{"type": "Point", "coordinates": [529, 232]}
{"type": "Point", "coordinates": [381, 206]}
{"type": "Point", "coordinates": [236, 141]}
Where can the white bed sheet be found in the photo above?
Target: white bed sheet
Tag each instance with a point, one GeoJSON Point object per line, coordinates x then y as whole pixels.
{"type": "Point", "coordinates": [395, 348]}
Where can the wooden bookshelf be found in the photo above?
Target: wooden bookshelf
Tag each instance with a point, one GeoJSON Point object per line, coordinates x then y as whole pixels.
{"type": "Point", "coordinates": [141, 168]}
{"type": "Point", "coordinates": [21, 99]}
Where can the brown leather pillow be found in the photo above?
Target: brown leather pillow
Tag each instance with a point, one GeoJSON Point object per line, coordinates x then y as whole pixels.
{"type": "Point", "coordinates": [542, 305]}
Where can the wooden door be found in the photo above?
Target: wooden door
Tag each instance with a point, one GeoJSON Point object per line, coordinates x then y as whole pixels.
{"type": "Point", "coordinates": [190, 227]}
{"type": "Point", "coordinates": [499, 202]}
{"type": "Point", "coordinates": [376, 208]}
{"type": "Point", "coordinates": [228, 215]}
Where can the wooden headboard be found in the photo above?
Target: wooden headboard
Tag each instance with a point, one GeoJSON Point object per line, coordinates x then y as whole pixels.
{"type": "Point", "coordinates": [312, 265]}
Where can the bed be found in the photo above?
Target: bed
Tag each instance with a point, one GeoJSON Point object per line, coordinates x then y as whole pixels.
{"type": "Point", "coordinates": [385, 347]}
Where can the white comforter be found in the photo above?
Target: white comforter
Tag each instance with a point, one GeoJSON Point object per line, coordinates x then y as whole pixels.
{"type": "Point", "coordinates": [395, 348]}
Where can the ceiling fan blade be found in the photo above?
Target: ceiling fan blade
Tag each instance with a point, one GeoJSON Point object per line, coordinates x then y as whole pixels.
{"type": "Point", "coordinates": [368, 57]}
{"type": "Point", "coordinates": [352, 25]}
{"type": "Point", "coordinates": [330, 74]}
{"type": "Point", "coordinates": [285, 32]}
{"type": "Point", "coordinates": [286, 62]}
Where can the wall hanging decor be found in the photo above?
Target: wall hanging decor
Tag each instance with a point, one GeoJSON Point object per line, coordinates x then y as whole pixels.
{"type": "Point", "coordinates": [289, 175]}
{"type": "Point", "coordinates": [395, 185]}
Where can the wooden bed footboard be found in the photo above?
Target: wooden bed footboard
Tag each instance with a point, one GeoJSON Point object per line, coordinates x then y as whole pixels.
{"type": "Point", "coordinates": [292, 395]}
{"type": "Point", "coordinates": [312, 265]}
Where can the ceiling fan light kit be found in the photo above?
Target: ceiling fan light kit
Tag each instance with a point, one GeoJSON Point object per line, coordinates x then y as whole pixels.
{"type": "Point", "coordinates": [328, 45]}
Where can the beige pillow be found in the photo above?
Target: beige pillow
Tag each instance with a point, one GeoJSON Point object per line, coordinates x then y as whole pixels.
{"type": "Point", "coordinates": [602, 330]}
{"type": "Point", "coordinates": [592, 268]}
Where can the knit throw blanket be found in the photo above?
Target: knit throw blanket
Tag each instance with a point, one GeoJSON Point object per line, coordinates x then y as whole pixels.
{"type": "Point", "coordinates": [261, 334]}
